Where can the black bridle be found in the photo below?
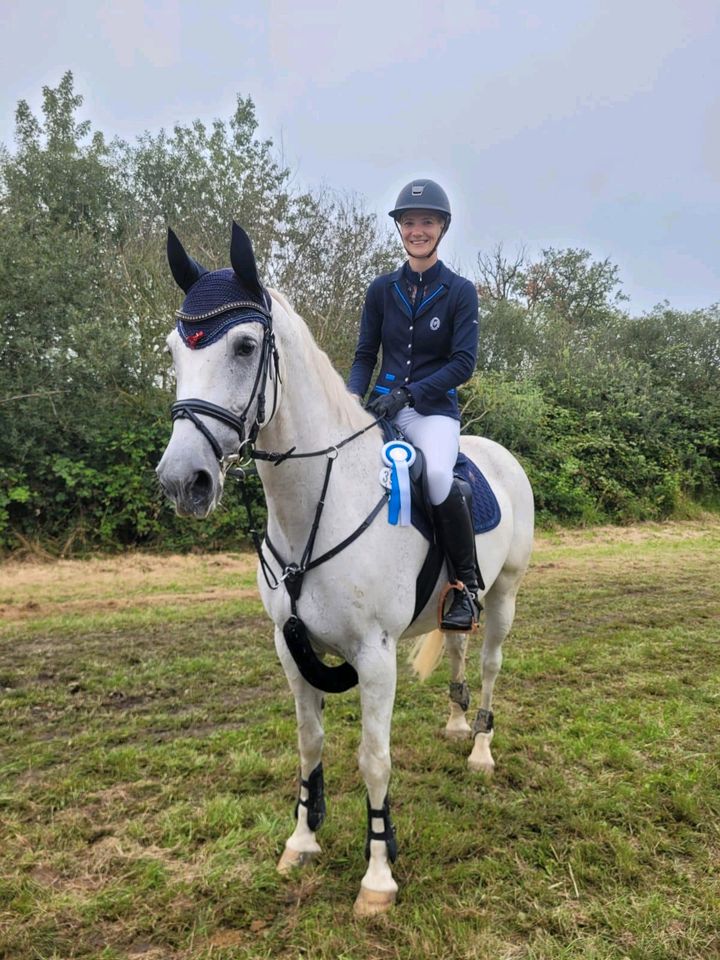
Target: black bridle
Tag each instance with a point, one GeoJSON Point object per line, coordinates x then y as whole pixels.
{"type": "Point", "coordinates": [329, 679]}
{"type": "Point", "coordinates": [268, 366]}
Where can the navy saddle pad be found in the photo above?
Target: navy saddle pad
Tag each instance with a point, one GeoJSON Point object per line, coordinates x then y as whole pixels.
{"type": "Point", "coordinates": [485, 508]}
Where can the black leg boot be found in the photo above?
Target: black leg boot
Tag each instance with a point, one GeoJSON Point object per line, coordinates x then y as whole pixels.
{"type": "Point", "coordinates": [455, 526]}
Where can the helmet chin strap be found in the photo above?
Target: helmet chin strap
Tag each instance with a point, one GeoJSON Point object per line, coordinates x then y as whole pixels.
{"type": "Point", "coordinates": [425, 256]}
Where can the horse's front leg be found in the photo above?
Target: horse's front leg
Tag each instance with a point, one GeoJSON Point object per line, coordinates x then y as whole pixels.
{"type": "Point", "coordinates": [377, 673]}
{"type": "Point", "coordinates": [301, 846]}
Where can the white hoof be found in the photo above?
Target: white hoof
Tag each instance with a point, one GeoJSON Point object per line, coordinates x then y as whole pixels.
{"type": "Point", "coordinates": [291, 859]}
{"type": "Point", "coordinates": [458, 732]}
{"type": "Point", "coordinates": [370, 903]}
{"type": "Point", "coordinates": [480, 760]}
{"type": "Point", "coordinates": [481, 766]}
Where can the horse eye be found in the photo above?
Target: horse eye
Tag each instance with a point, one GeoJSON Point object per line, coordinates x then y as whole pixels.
{"type": "Point", "coordinates": [244, 347]}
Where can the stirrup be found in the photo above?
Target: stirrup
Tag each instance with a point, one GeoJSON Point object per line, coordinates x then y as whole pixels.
{"type": "Point", "coordinates": [461, 588]}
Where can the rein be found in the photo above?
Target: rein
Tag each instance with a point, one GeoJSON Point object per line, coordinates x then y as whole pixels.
{"type": "Point", "coordinates": [293, 573]}
{"type": "Point", "coordinates": [278, 458]}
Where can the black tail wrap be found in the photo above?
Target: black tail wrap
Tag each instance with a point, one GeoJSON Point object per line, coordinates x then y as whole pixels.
{"type": "Point", "coordinates": [318, 674]}
{"type": "Point", "coordinates": [315, 803]}
{"type": "Point", "coordinates": [388, 833]}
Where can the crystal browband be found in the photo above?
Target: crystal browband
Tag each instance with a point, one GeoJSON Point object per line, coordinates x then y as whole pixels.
{"type": "Point", "coordinates": [218, 311]}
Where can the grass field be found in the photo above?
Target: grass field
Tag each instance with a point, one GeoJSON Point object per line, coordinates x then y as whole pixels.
{"type": "Point", "coordinates": [148, 764]}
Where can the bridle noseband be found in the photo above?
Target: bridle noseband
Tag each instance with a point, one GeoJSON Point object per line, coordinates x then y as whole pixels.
{"type": "Point", "coordinates": [269, 365]}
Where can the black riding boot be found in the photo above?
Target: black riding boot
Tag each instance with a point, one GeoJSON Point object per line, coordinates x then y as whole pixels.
{"type": "Point", "coordinates": [458, 540]}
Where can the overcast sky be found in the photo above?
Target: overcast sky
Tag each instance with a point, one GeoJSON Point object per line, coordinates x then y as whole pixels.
{"type": "Point", "coordinates": [593, 123]}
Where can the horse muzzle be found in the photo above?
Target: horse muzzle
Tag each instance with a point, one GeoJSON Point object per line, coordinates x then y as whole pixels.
{"type": "Point", "coordinates": [193, 492]}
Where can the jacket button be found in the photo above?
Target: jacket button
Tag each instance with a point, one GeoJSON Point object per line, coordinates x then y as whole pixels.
{"type": "Point", "coordinates": [411, 327]}
{"type": "Point", "coordinates": [409, 346]}
{"type": "Point", "coordinates": [407, 379]}
{"type": "Point", "coordinates": [407, 362]}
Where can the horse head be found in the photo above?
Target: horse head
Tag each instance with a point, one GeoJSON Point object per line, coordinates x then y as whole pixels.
{"type": "Point", "coordinates": [225, 361]}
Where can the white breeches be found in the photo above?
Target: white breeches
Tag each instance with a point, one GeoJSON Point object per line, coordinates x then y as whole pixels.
{"type": "Point", "coordinates": [439, 439]}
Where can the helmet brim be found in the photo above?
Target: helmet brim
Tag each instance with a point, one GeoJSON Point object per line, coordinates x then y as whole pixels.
{"type": "Point", "coordinates": [421, 206]}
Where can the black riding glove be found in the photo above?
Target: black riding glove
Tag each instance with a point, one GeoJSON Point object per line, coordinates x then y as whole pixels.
{"type": "Point", "coordinates": [388, 404]}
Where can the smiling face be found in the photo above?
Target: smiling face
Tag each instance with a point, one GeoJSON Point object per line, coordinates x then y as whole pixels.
{"type": "Point", "coordinates": [421, 231]}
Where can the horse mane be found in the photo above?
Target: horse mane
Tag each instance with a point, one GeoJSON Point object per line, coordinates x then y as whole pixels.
{"type": "Point", "coordinates": [314, 358]}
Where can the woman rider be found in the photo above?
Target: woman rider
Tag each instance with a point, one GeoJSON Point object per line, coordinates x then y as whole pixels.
{"type": "Point", "coordinates": [425, 317]}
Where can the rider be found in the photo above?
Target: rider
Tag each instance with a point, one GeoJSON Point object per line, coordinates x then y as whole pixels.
{"type": "Point", "coordinates": [425, 317]}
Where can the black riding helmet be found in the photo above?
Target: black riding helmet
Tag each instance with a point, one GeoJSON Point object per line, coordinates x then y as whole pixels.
{"type": "Point", "coordinates": [423, 195]}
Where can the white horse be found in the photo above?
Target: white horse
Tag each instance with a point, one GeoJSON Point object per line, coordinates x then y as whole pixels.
{"type": "Point", "coordinates": [359, 603]}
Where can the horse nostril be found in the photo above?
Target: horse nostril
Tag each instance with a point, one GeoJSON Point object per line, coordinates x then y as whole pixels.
{"type": "Point", "coordinates": [201, 487]}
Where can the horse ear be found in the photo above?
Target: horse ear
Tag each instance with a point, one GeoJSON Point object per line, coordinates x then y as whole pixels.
{"type": "Point", "coordinates": [242, 259]}
{"type": "Point", "coordinates": [185, 270]}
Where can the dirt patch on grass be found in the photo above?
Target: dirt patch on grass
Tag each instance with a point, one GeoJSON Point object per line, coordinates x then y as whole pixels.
{"type": "Point", "coordinates": [135, 567]}
{"type": "Point", "coordinates": [33, 590]}
{"type": "Point", "coordinates": [118, 576]}
{"type": "Point", "coordinates": [638, 533]}
{"type": "Point", "coordinates": [40, 609]}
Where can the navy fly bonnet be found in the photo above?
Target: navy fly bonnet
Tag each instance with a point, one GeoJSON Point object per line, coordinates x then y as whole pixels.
{"type": "Point", "coordinates": [216, 302]}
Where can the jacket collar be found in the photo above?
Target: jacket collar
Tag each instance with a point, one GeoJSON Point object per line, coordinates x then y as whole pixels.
{"type": "Point", "coordinates": [444, 274]}
{"type": "Point", "coordinates": [438, 281]}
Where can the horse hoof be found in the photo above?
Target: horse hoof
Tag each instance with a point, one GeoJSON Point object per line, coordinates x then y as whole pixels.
{"type": "Point", "coordinates": [457, 733]}
{"type": "Point", "coordinates": [291, 859]}
{"type": "Point", "coordinates": [481, 765]}
{"type": "Point", "coordinates": [370, 903]}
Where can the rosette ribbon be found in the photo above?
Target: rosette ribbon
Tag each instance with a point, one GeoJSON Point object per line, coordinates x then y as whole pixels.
{"type": "Point", "coordinates": [399, 456]}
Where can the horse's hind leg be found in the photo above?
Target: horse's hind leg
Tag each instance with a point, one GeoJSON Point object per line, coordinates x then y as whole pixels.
{"type": "Point", "coordinates": [457, 727]}
{"type": "Point", "coordinates": [499, 605]}
{"type": "Point", "coordinates": [302, 847]}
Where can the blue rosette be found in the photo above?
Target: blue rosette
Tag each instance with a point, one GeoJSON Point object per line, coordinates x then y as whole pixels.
{"type": "Point", "coordinates": [399, 456]}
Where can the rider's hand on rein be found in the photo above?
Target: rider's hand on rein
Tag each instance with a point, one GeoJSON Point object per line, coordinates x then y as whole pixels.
{"type": "Point", "coordinates": [389, 404]}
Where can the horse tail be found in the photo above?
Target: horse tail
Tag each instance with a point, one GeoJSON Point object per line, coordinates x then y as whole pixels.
{"type": "Point", "coordinates": [426, 653]}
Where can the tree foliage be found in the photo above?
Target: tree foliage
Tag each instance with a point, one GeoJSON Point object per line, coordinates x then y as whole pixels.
{"type": "Point", "coordinates": [614, 416]}
{"type": "Point", "coordinates": [617, 418]}
{"type": "Point", "coordinates": [86, 301]}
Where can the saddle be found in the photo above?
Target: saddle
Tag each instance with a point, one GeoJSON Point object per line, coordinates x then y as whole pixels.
{"type": "Point", "coordinates": [485, 511]}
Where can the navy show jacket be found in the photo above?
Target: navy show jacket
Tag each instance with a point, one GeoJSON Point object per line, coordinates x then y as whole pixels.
{"type": "Point", "coordinates": [430, 346]}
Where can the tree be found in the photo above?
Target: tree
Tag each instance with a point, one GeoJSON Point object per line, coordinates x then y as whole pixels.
{"type": "Point", "coordinates": [569, 285]}
{"type": "Point", "coordinates": [498, 277]}
{"type": "Point", "coordinates": [86, 301]}
{"type": "Point", "coordinates": [333, 251]}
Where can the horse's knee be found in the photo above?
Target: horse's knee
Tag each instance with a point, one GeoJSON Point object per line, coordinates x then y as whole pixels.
{"type": "Point", "coordinates": [492, 660]}
{"type": "Point", "coordinates": [374, 762]}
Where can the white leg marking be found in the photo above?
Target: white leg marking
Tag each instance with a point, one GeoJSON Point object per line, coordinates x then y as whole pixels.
{"type": "Point", "coordinates": [377, 672]}
{"type": "Point", "coordinates": [301, 846]}
{"type": "Point", "coordinates": [499, 615]}
{"type": "Point", "coordinates": [481, 759]}
{"type": "Point", "coordinates": [457, 727]}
